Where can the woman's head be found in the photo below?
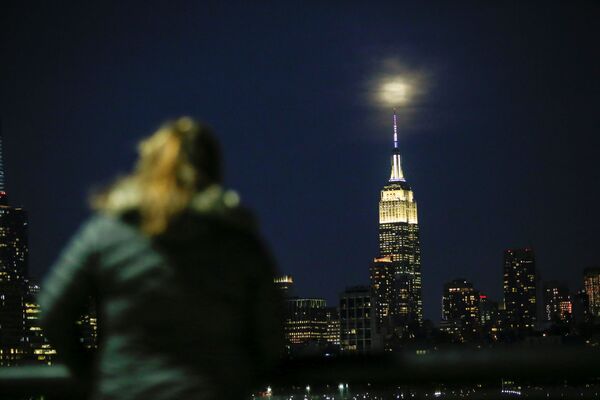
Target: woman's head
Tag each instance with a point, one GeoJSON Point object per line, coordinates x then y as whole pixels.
{"type": "Point", "coordinates": [178, 160]}
{"type": "Point", "coordinates": [183, 149]}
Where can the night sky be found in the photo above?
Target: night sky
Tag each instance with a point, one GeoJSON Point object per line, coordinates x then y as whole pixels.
{"type": "Point", "coordinates": [500, 145]}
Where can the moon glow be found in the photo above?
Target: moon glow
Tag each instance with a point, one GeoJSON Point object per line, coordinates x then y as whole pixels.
{"type": "Point", "coordinates": [394, 91]}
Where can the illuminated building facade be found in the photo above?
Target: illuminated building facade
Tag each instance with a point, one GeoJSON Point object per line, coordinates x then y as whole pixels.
{"type": "Point", "coordinates": [285, 284]}
{"type": "Point", "coordinates": [356, 320]}
{"type": "Point", "coordinates": [332, 334]}
{"type": "Point", "coordinates": [305, 320]}
{"type": "Point", "coordinates": [38, 349]}
{"type": "Point", "coordinates": [382, 277]}
{"type": "Point", "coordinates": [88, 326]}
{"type": "Point", "coordinates": [488, 310]}
{"type": "Point", "coordinates": [461, 309]}
{"type": "Point", "coordinates": [520, 288]}
{"type": "Point", "coordinates": [396, 273]}
{"type": "Point", "coordinates": [557, 302]}
{"type": "Point", "coordinates": [460, 301]}
{"type": "Point", "coordinates": [591, 283]}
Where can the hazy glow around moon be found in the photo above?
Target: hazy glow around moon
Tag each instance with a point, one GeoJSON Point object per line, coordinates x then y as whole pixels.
{"type": "Point", "coordinates": [396, 85]}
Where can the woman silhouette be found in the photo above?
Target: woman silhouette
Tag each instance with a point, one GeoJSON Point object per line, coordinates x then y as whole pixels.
{"type": "Point", "coordinates": [183, 285]}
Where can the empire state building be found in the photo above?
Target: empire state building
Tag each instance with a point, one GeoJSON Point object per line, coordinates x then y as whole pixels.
{"type": "Point", "coordinates": [396, 273]}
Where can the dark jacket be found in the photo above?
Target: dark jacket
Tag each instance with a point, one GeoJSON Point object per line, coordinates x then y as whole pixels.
{"type": "Point", "coordinates": [190, 314]}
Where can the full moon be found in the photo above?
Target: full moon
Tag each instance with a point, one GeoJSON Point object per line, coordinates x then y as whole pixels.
{"type": "Point", "coordinates": [394, 91]}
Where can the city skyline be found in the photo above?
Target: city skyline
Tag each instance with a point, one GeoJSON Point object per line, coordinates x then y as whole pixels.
{"type": "Point", "coordinates": [392, 212]}
{"type": "Point", "coordinates": [502, 138]}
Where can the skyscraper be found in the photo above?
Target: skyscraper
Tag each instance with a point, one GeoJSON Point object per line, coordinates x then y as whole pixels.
{"type": "Point", "coordinates": [396, 273]}
{"type": "Point", "coordinates": [591, 283]}
{"type": "Point", "coordinates": [13, 273]}
{"type": "Point", "coordinates": [520, 288]}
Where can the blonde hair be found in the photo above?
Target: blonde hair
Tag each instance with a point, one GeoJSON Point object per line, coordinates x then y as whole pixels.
{"type": "Point", "coordinates": [177, 161]}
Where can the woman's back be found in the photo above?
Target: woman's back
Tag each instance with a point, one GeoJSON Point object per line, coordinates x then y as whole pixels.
{"type": "Point", "coordinates": [190, 313]}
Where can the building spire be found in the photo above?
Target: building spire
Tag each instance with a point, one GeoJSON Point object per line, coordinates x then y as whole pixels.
{"type": "Point", "coordinates": [395, 131]}
{"type": "Point", "coordinates": [396, 175]}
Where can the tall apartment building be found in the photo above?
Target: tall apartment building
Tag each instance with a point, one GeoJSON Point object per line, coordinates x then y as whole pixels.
{"type": "Point", "coordinates": [461, 309]}
{"type": "Point", "coordinates": [591, 283]}
{"type": "Point", "coordinates": [520, 298]}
